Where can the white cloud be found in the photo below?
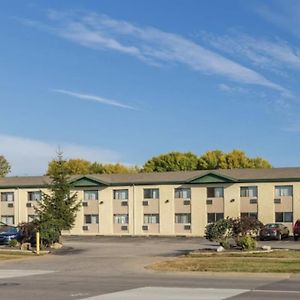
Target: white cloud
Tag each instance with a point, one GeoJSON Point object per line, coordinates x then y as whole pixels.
{"type": "Point", "coordinates": [93, 98]}
{"type": "Point", "coordinates": [285, 14]}
{"type": "Point", "coordinates": [150, 45]}
{"type": "Point", "coordinates": [31, 157]}
{"type": "Point", "coordinates": [270, 54]}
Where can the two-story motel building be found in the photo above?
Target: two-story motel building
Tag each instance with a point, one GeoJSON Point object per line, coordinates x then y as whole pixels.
{"type": "Point", "coordinates": [170, 203]}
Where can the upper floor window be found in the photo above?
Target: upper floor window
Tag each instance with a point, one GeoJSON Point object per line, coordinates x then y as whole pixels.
{"type": "Point", "coordinates": [248, 191]}
{"type": "Point", "coordinates": [90, 195]}
{"type": "Point", "coordinates": [183, 218]}
{"type": "Point", "coordinates": [151, 193]}
{"type": "Point", "coordinates": [183, 193]}
{"type": "Point", "coordinates": [283, 190]}
{"type": "Point", "coordinates": [215, 192]}
{"type": "Point", "coordinates": [34, 196]}
{"type": "Point", "coordinates": [151, 218]}
{"type": "Point", "coordinates": [7, 196]}
{"type": "Point", "coordinates": [121, 194]}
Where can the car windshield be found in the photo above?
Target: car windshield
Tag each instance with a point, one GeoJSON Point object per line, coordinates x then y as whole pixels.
{"type": "Point", "coordinates": [272, 226]}
{"type": "Point", "coordinates": [8, 229]}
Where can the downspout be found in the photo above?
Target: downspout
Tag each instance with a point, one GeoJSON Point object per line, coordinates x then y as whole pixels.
{"type": "Point", "coordinates": [133, 208]}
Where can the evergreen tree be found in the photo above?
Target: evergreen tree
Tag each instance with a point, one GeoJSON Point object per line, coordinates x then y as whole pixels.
{"type": "Point", "coordinates": [57, 210]}
{"type": "Point", "coordinates": [4, 166]}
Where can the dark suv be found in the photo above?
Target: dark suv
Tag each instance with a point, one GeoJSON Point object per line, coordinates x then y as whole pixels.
{"type": "Point", "coordinates": [8, 233]}
{"type": "Point", "coordinates": [296, 230]}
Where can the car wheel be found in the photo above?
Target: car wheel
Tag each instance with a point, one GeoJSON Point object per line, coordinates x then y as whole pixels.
{"type": "Point", "coordinates": [279, 237]}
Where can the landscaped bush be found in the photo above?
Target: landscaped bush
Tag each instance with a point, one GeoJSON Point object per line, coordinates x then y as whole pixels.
{"type": "Point", "coordinates": [13, 243]}
{"type": "Point", "coordinates": [220, 231]}
{"type": "Point", "coordinates": [240, 230]}
{"type": "Point", "coordinates": [247, 242]}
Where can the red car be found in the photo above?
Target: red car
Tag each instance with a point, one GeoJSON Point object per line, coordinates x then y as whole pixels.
{"type": "Point", "coordinates": [296, 230]}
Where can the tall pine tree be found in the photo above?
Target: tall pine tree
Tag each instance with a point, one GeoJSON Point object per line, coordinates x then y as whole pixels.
{"type": "Point", "coordinates": [57, 209]}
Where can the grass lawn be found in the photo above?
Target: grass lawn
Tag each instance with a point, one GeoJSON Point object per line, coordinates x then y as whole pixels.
{"type": "Point", "coordinates": [277, 262]}
{"type": "Point", "coordinates": [10, 256]}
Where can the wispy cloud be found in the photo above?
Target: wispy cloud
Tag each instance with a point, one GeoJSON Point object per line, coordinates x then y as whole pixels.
{"type": "Point", "coordinates": [231, 89]}
{"type": "Point", "coordinates": [284, 14]}
{"type": "Point", "coordinates": [269, 54]}
{"type": "Point", "coordinates": [30, 156]}
{"type": "Point", "coordinates": [150, 45]}
{"type": "Point", "coordinates": [94, 98]}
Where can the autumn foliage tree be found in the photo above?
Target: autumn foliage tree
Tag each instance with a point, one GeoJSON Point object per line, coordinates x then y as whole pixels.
{"type": "Point", "coordinates": [173, 161]}
{"type": "Point", "coordinates": [82, 167]}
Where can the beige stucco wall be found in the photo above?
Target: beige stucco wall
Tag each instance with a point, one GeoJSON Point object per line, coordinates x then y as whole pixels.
{"type": "Point", "coordinates": [166, 206]}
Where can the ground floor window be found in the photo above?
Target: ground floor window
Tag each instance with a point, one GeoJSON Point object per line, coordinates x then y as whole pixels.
{"type": "Point", "coordinates": [214, 217]}
{"type": "Point", "coordinates": [30, 218]}
{"type": "Point", "coordinates": [91, 219]}
{"type": "Point", "coordinates": [151, 218]}
{"type": "Point", "coordinates": [9, 220]}
{"type": "Point", "coordinates": [183, 218]}
{"type": "Point", "coordinates": [249, 215]}
{"type": "Point", "coordinates": [121, 219]}
{"type": "Point", "coordinates": [284, 217]}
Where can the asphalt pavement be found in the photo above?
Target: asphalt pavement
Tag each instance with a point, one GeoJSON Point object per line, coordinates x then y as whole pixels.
{"type": "Point", "coordinates": [111, 268]}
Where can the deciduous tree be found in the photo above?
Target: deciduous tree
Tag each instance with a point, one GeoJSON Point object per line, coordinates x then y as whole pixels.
{"type": "Point", "coordinates": [172, 161]}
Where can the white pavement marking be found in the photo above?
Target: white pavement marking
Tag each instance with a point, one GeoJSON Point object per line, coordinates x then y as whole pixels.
{"type": "Point", "coordinates": [21, 273]}
{"type": "Point", "coordinates": [163, 293]}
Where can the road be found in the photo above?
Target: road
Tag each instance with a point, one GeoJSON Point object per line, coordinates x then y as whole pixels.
{"type": "Point", "coordinates": [110, 268]}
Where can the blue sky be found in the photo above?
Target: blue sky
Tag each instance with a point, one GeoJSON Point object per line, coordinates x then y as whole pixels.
{"type": "Point", "coordinates": [122, 81]}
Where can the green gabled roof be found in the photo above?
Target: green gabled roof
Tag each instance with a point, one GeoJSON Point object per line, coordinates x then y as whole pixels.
{"type": "Point", "coordinates": [87, 181]}
{"type": "Point", "coordinates": [211, 177]}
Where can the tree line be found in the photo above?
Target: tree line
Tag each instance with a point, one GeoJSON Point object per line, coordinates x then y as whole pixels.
{"type": "Point", "coordinates": [172, 161]}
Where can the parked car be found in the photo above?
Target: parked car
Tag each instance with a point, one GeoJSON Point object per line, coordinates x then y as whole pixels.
{"type": "Point", "coordinates": [8, 233]}
{"type": "Point", "coordinates": [296, 230]}
{"type": "Point", "coordinates": [276, 231]}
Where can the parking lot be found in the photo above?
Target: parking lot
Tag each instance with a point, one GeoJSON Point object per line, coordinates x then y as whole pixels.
{"type": "Point", "coordinates": [113, 268]}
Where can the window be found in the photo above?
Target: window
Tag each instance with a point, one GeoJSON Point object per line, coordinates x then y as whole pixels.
{"type": "Point", "coordinates": [120, 219]}
{"type": "Point", "coordinates": [120, 194]}
{"type": "Point", "coordinates": [34, 196]}
{"type": "Point", "coordinates": [151, 193]}
{"type": "Point", "coordinates": [284, 217]}
{"type": "Point", "coordinates": [7, 196]}
{"type": "Point", "coordinates": [284, 190]}
{"type": "Point", "coordinates": [30, 218]}
{"type": "Point", "coordinates": [248, 191]}
{"type": "Point", "coordinates": [214, 217]}
{"type": "Point", "coordinates": [9, 220]}
{"type": "Point", "coordinates": [183, 193]}
{"type": "Point", "coordinates": [183, 218]}
{"type": "Point", "coordinates": [90, 195]}
{"type": "Point", "coordinates": [91, 219]}
{"type": "Point", "coordinates": [249, 215]}
{"type": "Point", "coordinates": [151, 218]}
{"type": "Point", "coordinates": [215, 192]}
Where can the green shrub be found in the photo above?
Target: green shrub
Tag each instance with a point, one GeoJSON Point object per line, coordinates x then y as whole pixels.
{"type": "Point", "coordinates": [220, 231]}
{"type": "Point", "coordinates": [247, 242]}
{"type": "Point", "coordinates": [13, 243]}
